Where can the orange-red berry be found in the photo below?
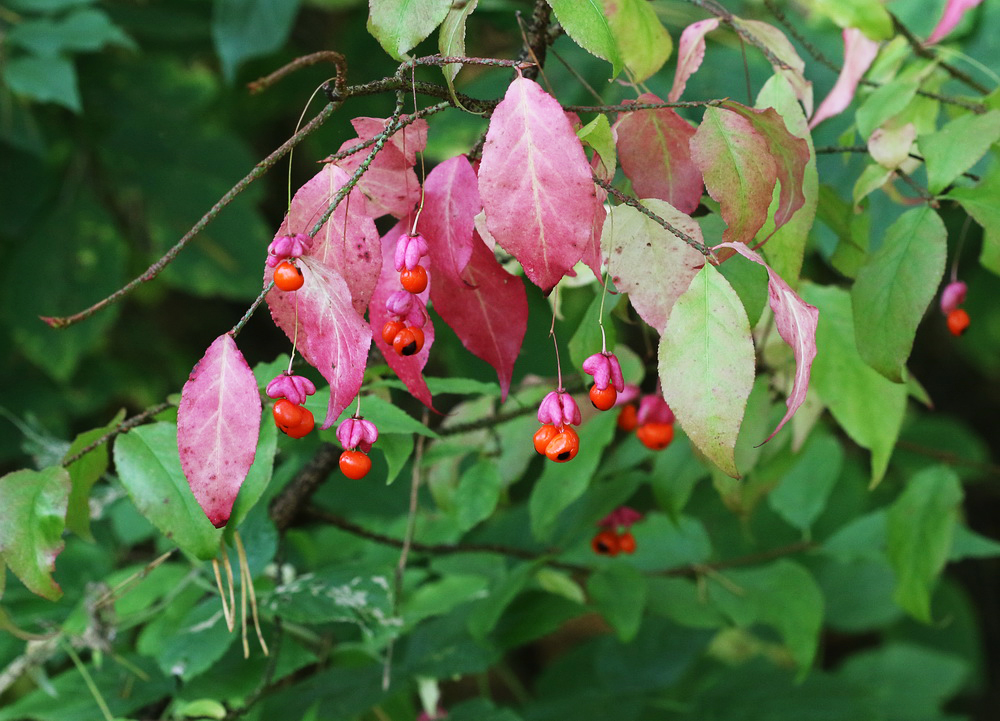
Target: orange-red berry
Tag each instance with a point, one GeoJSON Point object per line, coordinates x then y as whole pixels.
{"type": "Point", "coordinates": [655, 436]}
{"type": "Point", "coordinates": [287, 414]}
{"type": "Point", "coordinates": [626, 542]}
{"type": "Point", "coordinates": [564, 446]}
{"type": "Point", "coordinates": [542, 437]}
{"type": "Point", "coordinates": [355, 464]}
{"type": "Point", "coordinates": [408, 342]}
{"type": "Point", "coordinates": [391, 329]}
{"type": "Point", "coordinates": [603, 400]}
{"type": "Point", "coordinates": [958, 321]}
{"type": "Point", "coordinates": [628, 419]}
{"type": "Point", "coordinates": [304, 427]}
{"type": "Point", "coordinates": [605, 543]}
{"type": "Point", "coordinates": [415, 280]}
{"type": "Point", "coordinates": [288, 277]}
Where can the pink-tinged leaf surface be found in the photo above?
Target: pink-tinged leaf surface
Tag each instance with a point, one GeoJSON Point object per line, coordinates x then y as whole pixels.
{"type": "Point", "coordinates": [890, 148]}
{"type": "Point", "coordinates": [451, 203]}
{"type": "Point", "coordinates": [655, 154]}
{"type": "Point", "coordinates": [348, 241]}
{"type": "Point", "coordinates": [953, 12]}
{"type": "Point", "coordinates": [536, 184]}
{"type": "Point", "coordinates": [489, 312]}
{"type": "Point", "coordinates": [218, 421]}
{"type": "Point", "coordinates": [779, 46]}
{"type": "Point", "coordinates": [690, 53]}
{"type": "Point", "coordinates": [32, 512]}
{"type": "Point", "coordinates": [706, 366]}
{"type": "Point", "coordinates": [859, 52]}
{"type": "Point", "coordinates": [410, 369]}
{"type": "Point", "coordinates": [649, 263]}
{"type": "Point", "coordinates": [796, 322]}
{"type": "Point", "coordinates": [332, 336]}
{"type": "Point", "coordinates": [739, 171]}
{"type": "Point", "coordinates": [390, 184]}
{"type": "Point", "coordinates": [789, 152]}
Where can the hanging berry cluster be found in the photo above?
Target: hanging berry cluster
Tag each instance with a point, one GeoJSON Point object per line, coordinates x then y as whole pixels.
{"type": "Point", "coordinates": [287, 275]}
{"type": "Point", "coordinates": [653, 421]}
{"type": "Point", "coordinates": [408, 314]}
{"type": "Point", "coordinates": [616, 536]}
{"type": "Point", "coordinates": [291, 417]}
{"type": "Point", "coordinates": [356, 435]}
{"type": "Point", "coordinates": [557, 440]}
{"type": "Point", "coordinates": [952, 297]}
{"type": "Point", "coordinates": [608, 380]}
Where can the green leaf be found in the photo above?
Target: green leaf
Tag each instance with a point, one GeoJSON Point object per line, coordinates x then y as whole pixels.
{"type": "Point", "coordinates": [907, 681]}
{"type": "Point", "coordinates": [782, 595]}
{"type": "Point", "coordinates": [619, 592]}
{"type": "Point", "coordinates": [244, 29]}
{"type": "Point", "coordinates": [258, 476]}
{"type": "Point", "coordinates": [32, 513]}
{"type": "Point", "coordinates": [847, 385]}
{"type": "Point", "coordinates": [894, 288]}
{"type": "Point", "coordinates": [84, 30]}
{"type": "Point", "coordinates": [487, 612]}
{"type": "Point", "coordinates": [149, 467]}
{"type": "Point", "coordinates": [969, 544]}
{"type": "Point", "coordinates": [397, 449]}
{"type": "Point", "coordinates": [440, 597]}
{"type": "Point", "coordinates": [871, 18]}
{"type": "Point", "coordinates": [681, 601]}
{"type": "Point", "coordinates": [802, 493]}
{"type": "Point", "coordinates": [198, 641]}
{"type": "Point", "coordinates": [884, 103]}
{"type": "Point", "coordinates": [706, 365]}
{"type": "Point", "coordinates": [399, 25]}
{"type": "Point", "coordinates": [749, 280]}
{"type": "Point", "coordinates": [958, 146]}
{"type": "Point", "coordinates": [451, 38]}
{"type": "Point", "coordinates": [981, 203]}
{"type": "Point", "coordinates": [597, 134]}
{"type": "Point", "coordinates": [45, 79]}
{"type": "Point", "coordinates": [642, 41]}
{"type": "Point", "coordinates": [587, 339]}
{"type": "Point", "coordinates": [871, 179]}
{"type": "Point", "coordinates": [921, 526]}
{"type": "Point", "coordinates": [477, 494]}
{"type": "Point", "coordinates": [379, 411]}
{"type": "Point", "coordinates": [585, 23]}
{"type": "Point", "coordinates": [84, 473]}
{"type": "Point", "coordinates": [562, 483]}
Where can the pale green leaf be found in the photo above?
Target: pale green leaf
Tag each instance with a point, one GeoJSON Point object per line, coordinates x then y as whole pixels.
{"type": "Point", "coordinates": [921, 525]}
{"type": "Point", "coordinates": [32, 513]}
{"type": "Point", "coordinates": [399, 25]}
{"type": "Point", "coordinates": [597, 134]}
{"type": "Point", "coordinates": [958, 146]}
{"type": "Point", "coordinates": [585, 23]}
{"type": "Point", "coordinates": [643, 42]}
{"type": "Point", "coordinates": [884, 103]}
{"type": "Point", "coordinates": [894, 288]}
{"type": "Point", "coordinates": [847, 385]}
{"type": "Point", "coordinates": [869, 17]}
{"type": "Point", "coordinates": [706, 365]}
{"type": "Point", "coordinates": [451, 37]}
{"type": "Point", "coordinates": [49, 79]}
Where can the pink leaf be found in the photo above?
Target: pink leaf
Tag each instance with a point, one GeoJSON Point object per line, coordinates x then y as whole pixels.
{"type": "Point", "coordinates": [649, 263]}
{"type": "Point", "coordinates": [348, 241]}
{"type": "Point", "coordinates": [655, 154]}
{"type": "Point", "coordinates": [410, 369]}
{"type": "Point", "coordinates": [953, 12]}
{"type": "Point", "coordinates": [789, 152]}
{"type": "Point", "coordinates": [489, 313]}
{"type": "Point", "coordinates": [218, 421]}
{"type": "Point", "coordinates": [796, 322]}
{"type": "Point", "coordinates": [451, 203]}
{"type": "Point", "coordinates": [390, 184]}
{"type": "Point", "coordinates": [690, 53]}
{"type": "Point", "coordinates": [536, 184]}
{"type": "Point", "coordinates": [328, 332]}
{"type": "Point", "coordinates": [859, 52]}
{"type": "Point", "coordinates": [738, 168]}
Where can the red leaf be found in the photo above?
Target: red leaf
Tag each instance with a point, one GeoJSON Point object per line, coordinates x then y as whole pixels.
{"type": "Point", "coordinates": [218, 421]}
{"type": "Point", "coordinates": [410, 369]}
{"type": "Point", "coordinates": [389, 183]}
{"type": "Point", "coordinates": [690, 53]}
{"type": "Point", "coordinates": [789, 153]}
{"type": "Point", "coordinates": [655, 154]}
{"type": "Point", "coordinates": [451, 203]}
{"type": "Point", "coordinates": [536, 184]}
{"type": "Point", "coordinates": [738, 169]}
{"type": "Point", "coordinates": [796, 322]}
{"type": "Point", "coordinates": [355, 251]}
{"type": "Point", "coordinates": [859, 52]}
{"type": "Point", "coordinates": [489, 315]}
{"type": "Point", "coordinates": [327, 330]}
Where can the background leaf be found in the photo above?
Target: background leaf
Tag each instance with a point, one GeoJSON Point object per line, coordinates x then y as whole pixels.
{"type": "Point", "coordinates": [242, 30]}
{"type": "Point", "coordinates": [584, 21]}
{"type": "Point", "coordinates": [399, 25]}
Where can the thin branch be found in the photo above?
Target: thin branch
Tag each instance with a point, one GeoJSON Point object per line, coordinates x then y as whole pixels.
{"type": "Point", "coordinates": [626, 106]}
{"type": "Point", "coordinates": [305, 61]}
{"type": "Point", "coordinates": [917, 188]}
{"type": "Point", "coordinates": [921, 50]}
{"type": "Point", "coordinates": [403, 122]}
{"type": "Point", "coordinates": [537, 39]}
{"type": "Point", "coordinates": [630, 201]}
{"type": "Point", "coordinates": [122, 427]}
{"type": "Point", "coordinates": [154, 270]}
{"type": "Point", "coordinates": [251, 310]}
{"type": "Point", "coordinates": [834, 149]}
